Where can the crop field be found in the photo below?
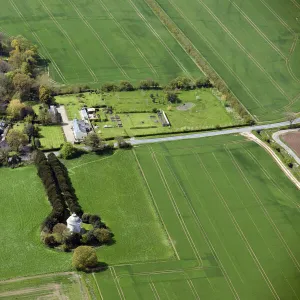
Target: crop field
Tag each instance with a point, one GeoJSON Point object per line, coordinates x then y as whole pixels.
{"type": "Point", "coordinates": [23, 207]}
{"type": "Point", "coordinates": [253, 45]}
{"type": "Point", "coordinates": [99, 40]}
{"type": "Point", "coordinates": [230, 216]}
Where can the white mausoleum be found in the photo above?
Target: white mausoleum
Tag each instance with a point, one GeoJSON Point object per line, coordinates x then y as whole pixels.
{"type": "Point", "coordinates": [74, 223]}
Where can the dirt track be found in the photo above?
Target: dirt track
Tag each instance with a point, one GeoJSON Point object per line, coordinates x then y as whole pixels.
{"type": "Point", "coordinates": [292, 139]}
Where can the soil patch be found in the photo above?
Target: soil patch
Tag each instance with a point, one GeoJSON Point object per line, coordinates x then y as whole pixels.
{"type": "Point", "coordinates": [292, 139]}
{"type": "Point", "coordinates": [185, 106]}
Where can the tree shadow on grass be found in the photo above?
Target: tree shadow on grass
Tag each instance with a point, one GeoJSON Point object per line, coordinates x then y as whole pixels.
{"type": "Point", "coordinates": [100, 267]}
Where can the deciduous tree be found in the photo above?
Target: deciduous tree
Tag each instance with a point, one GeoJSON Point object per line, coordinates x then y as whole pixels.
{"type": "Point", "coordinates": [16, 139]}
{"type": "Point", "coordinates": [84, 257]}
{"type": "Point", "coordinates": [14, 108]}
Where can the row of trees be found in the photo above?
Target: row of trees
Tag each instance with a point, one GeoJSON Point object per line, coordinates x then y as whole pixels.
{"type": "Point", "coordinates": [64, 185]}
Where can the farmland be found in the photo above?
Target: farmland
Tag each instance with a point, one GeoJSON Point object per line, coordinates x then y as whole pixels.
{"type": "Point", "coordinates": [70, 34]}
{"type": "Point", "coordinates": [136, 111]}
{"type": "Point", "coordinates": [253, 47]}
{"type": "Point", "coordinates": [231, 217]}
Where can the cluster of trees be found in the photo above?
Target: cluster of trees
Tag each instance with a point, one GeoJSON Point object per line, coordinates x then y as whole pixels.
{"type": "Point", "coordinates": [22, 77]}
{"type": "Point", "coordinates": [63, 200]}
{"type": "Point", "coordinates": [214, 78]}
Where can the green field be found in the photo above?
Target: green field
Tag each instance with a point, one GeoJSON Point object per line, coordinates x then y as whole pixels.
{"type": "Point", "coordinates": [76, 36]}
{"type": "Point", "coordinates": [51, 137]}
{"type": "Point", "coordinates": [231, 216]}
{"type": "Point", "coordinates": [135, 109]}
{"type": "Point", "coordinates": [23, 207]}
{"type": "Point", "coordinates": [253, 45]}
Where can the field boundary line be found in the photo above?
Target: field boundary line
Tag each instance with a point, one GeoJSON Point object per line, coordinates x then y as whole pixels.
{"type": "Point", "coordinates": [143, 56]}
{"type": "Point", "coordinates": [155, 205]}
{"type": "Point", "coordinates": [147, 23]}
{"type": "Point", "coordinates": [38, 40]}
{"type": "Point", "coordinates": [67, 37]}
{"type": "Point", "coordinates": [98, 287]}
{"type": "Point", "coordinates": [250, 56]}
{"type": "Point", "coordinates": [83, 19]}
{"type": "Point", "coordinates": [216, 53]}
{"type": "Point", "coordinates": [268, 217]}
{"type": "Point", "coordinates": [117, 283]}
{"type": "Point", "coordinates": [176, 208]}
{"type": "Point", "coordinates": [296, 3]}
{"type": "Point", "coordinates": [239, 230]}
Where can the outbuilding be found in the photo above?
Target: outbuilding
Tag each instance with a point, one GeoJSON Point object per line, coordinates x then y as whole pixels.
{"type": "Point", "coordinates": [74, 223]}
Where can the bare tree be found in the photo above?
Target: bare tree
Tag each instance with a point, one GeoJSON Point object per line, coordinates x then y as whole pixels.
{"type": "Point", "coordinates": [291, 117]}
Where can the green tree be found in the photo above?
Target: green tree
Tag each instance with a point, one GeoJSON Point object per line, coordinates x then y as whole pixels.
{"type": "Point", "coordinates": [172, 97]}
{"type": "Point", "coordinates": [22, 83]}
{"type": "Point", "coordinates": [44, 116]}
{"type": "Point", "coordinates": [31, 130]}
{"type": "Point", "coordinates": [68, 151]}
{"type": "Point", "coordinates": [45, 95]}
{"type": "Point", "coordinates": [84, 257]}
{"type": "Point", "coordinates": [92, 140]}
{"type": "Point", "coordinates": [14, 108]}
{"type": "Point", "coordinates": [103, 235]}
{"type": "Point", "coordinates": [125, 86]}
{"type": "Point", "coordinates": [16, 139]}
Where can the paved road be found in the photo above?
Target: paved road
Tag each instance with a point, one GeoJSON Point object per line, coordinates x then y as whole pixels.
{"type": "Point", "coordinates": [66, 124]}
{"type": "Point", "coordinates": [276, 137]}
{"type": "Point", "coordinates": [211, 133]}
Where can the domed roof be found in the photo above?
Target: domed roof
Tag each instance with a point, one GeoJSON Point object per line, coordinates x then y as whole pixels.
{"type": "Point", "coordinates": [74, 220]}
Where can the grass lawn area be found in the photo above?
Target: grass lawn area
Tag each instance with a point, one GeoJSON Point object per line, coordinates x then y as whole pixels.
{"type": "Point", "coordinates": [23, 207]}
{"type": "Point", "coordinates": [233, 219]}
{"type": "Point", "coordinates": [51, 137]}
{"type": "Point", "coordinates": [135, 109]}
{"type": "Point", "coordinates": [112, 187]}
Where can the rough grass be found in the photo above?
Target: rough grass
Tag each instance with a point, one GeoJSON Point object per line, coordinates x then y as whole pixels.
{"type": "Point", "coordinates": [231, 214]}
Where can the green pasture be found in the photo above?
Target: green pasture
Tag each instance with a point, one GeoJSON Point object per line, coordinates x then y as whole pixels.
{"type": "Point", "coordinates": [51, 137]}
{"type": "Point", "coordinates": [135, 109]}
{"type": "Point", "coordinates": [99, 42]}
{"type": "Point", "coordinates": [252, 45]}
{"type": "Point", "coordinates": [231, 217]}
{"type": "Point", "coordinates": [23, 208]}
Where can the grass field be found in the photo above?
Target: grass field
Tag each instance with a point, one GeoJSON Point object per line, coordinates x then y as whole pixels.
{"type": "Point", "coordinates": [231, 216]}
{"type": "Point", "coordinates": [77, 38]}
{"type": "Point", "coordinates": [207, 112]}
{"type": "Point", "coordinates": [253, 45]}
{"type": "Point", "coordinates": [51, 137]}
{"type": "Point", "coordinates": [23, 207]}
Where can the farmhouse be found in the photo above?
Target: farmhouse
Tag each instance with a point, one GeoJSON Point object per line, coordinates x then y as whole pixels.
{"type": "Point", "coordinates": [80, 130]}
{"type": "Point", "coordinates": [84, 115]}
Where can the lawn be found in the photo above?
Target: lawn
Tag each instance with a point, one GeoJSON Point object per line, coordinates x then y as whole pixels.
{"type": "Point", "coordinates": [253, 47]}
{"type": "Point", "coordinates": [77, 39]}
{"type": "Point", "coordinates": [23, 207]}
{"type": "Point", "coordinates": [135, 109]}
{"type": "Point", "coordinates": [232, 218]}
{"type": "Point", "coordinates": [51, 137]}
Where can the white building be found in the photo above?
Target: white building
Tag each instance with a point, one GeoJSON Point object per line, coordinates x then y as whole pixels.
{"type": "Point", "coordinates": [74, 223]}
{"type": "Point", "coordinates": [79, 130]}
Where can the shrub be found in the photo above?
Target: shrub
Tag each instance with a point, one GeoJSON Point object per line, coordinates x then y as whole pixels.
{"type": "Point", "coordinates": [59, 228]}
{"type": "Point", "coordinates": [50, 241]}
{"type": "Point", "coordinates": [94, 218]}
{"type": "Point", "coordinates": [103, 235]}
{"type": "Point", "coordinates": [86, 218]}
{"type": "Point", "coordinates": [73, 240]}
{"type": "Point", "coordinates": [109, 87]}
{"type": "Point", "coordinates": [68, 151]}
{"type": "Point", "coordinates": [125, 86]}
{"type": "Point", "coordinates": [84, 257]}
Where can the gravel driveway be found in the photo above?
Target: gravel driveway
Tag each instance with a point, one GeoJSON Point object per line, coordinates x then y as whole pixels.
{"type": "Point", "coordinates": [66, 124]}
